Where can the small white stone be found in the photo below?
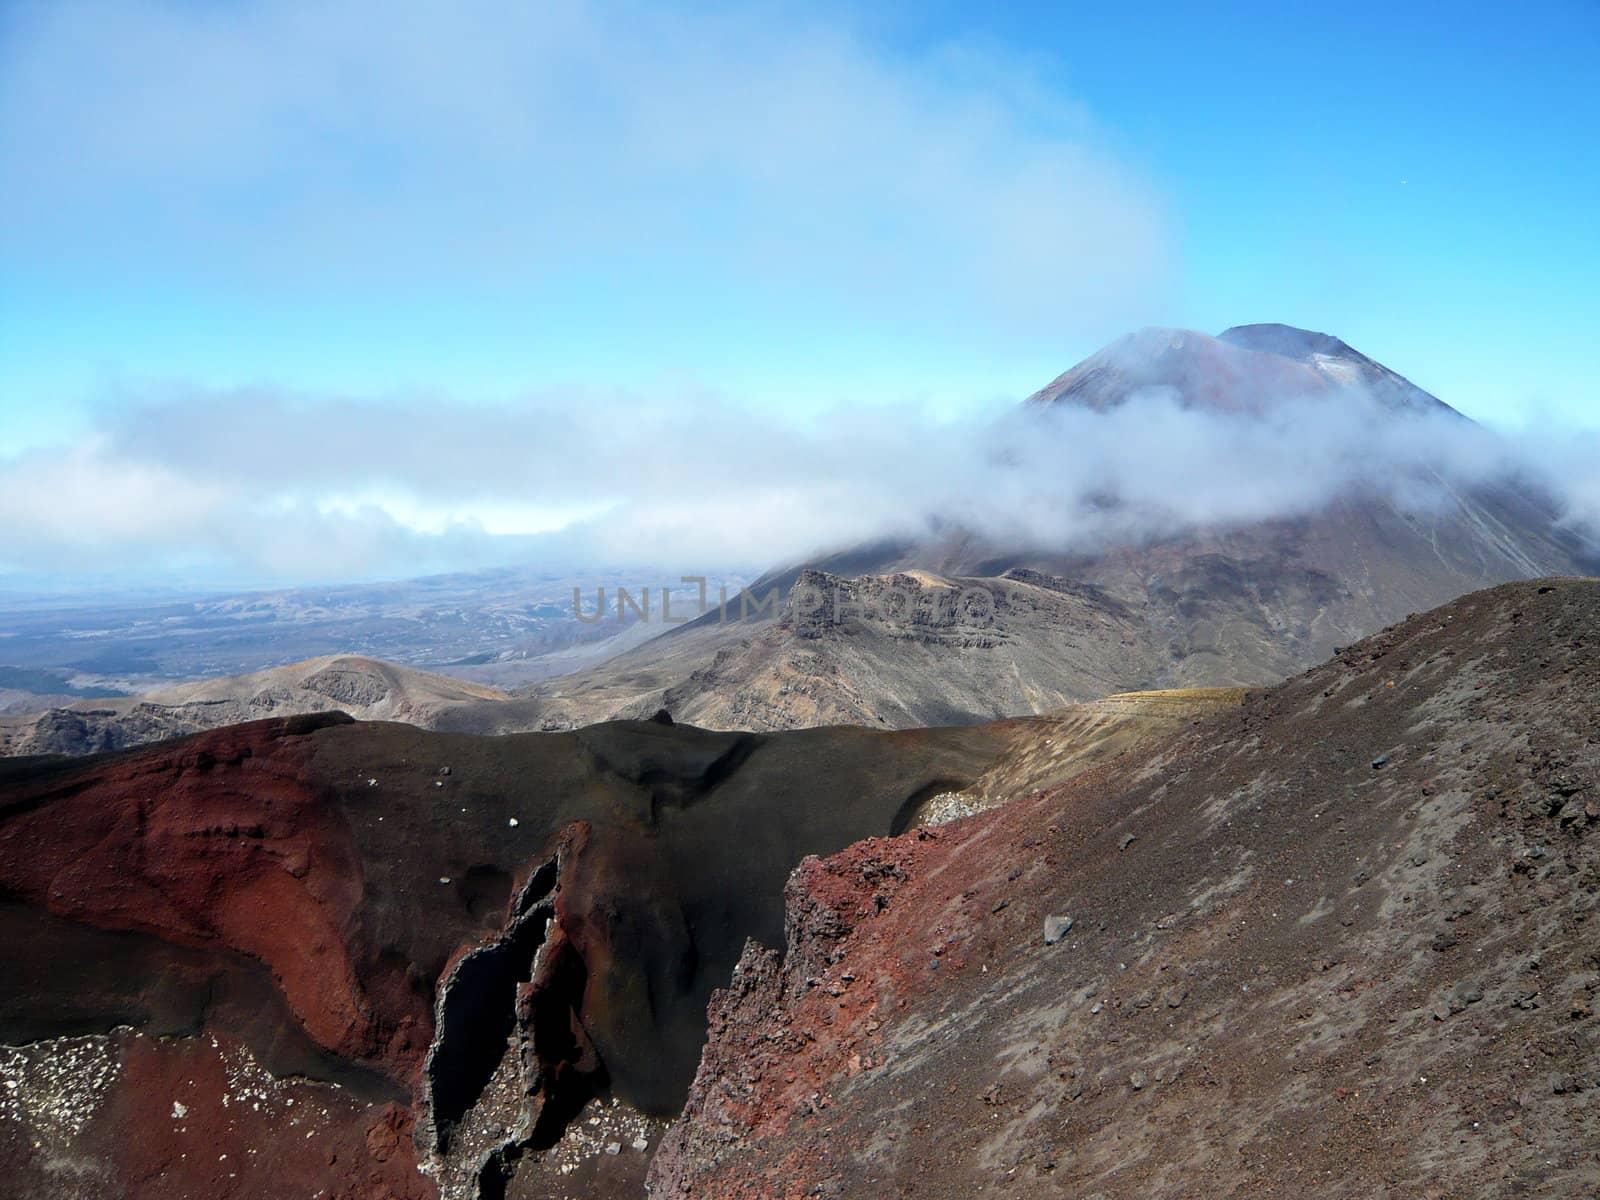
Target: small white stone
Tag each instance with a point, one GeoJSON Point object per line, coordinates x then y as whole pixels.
{"type": "Point", "coordinates": [179, 1111]}
{"type": "Point", "coordinates": [513, 822]}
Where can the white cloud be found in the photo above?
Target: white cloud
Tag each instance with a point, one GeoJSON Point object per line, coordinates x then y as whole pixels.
{"type": "Point", "coordinates": [363, 143]}
{"type": "Point", "coordinates": [86, 499]}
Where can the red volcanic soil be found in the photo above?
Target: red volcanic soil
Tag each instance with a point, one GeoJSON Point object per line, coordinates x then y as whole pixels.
{"type": "Point", "coordinates": [194, 1118]}
{"type": "Point", "coordinates": [217, 842]}
{"type": "Point", "coordinates": [225, 848]}
{"type": "Point", "coordinates": [1338, 943]}
{"type": "Point", "coordinates": [297, 903]}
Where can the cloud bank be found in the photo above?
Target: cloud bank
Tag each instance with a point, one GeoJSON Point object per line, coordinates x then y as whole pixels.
{"type": "Point", "coordinates": [273, 486]}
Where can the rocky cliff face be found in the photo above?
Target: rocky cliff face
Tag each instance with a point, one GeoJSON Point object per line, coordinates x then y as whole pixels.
{"type": "Point", "coordinates": [1334, 942]}
{"type": "Point", "coordinates": [313, 955]}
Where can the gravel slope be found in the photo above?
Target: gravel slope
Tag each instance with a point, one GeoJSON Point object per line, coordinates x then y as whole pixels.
{"type": "Point", "coordinates": [1338, 942]}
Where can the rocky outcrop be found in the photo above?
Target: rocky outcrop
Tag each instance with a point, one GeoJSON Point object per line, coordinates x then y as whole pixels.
{"type": "Point", "coordinates": [511, 1063]}
{"type": "Point", "coordinates": [486, 957]}
{"type": "Point", "coordinates": [1329, 943]}
{"type": "Point", "coordinates": [913, 649]}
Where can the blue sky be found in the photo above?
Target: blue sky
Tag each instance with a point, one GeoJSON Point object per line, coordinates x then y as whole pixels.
{"type": "Point", "coordinates": [784, 210]}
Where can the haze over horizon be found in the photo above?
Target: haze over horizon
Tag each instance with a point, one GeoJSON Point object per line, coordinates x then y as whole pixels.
{"type": "Point", "coordinates": [293, 294]}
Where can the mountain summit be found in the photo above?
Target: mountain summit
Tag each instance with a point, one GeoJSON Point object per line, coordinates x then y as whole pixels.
{"type": "Point", "coordinates": [1244, 369]}
{"type": "Point", "coordinates": [1337, 361]}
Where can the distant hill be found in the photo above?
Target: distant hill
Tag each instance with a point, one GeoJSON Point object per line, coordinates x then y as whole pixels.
{"type": "Point", "coordinates": [362, 687]}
